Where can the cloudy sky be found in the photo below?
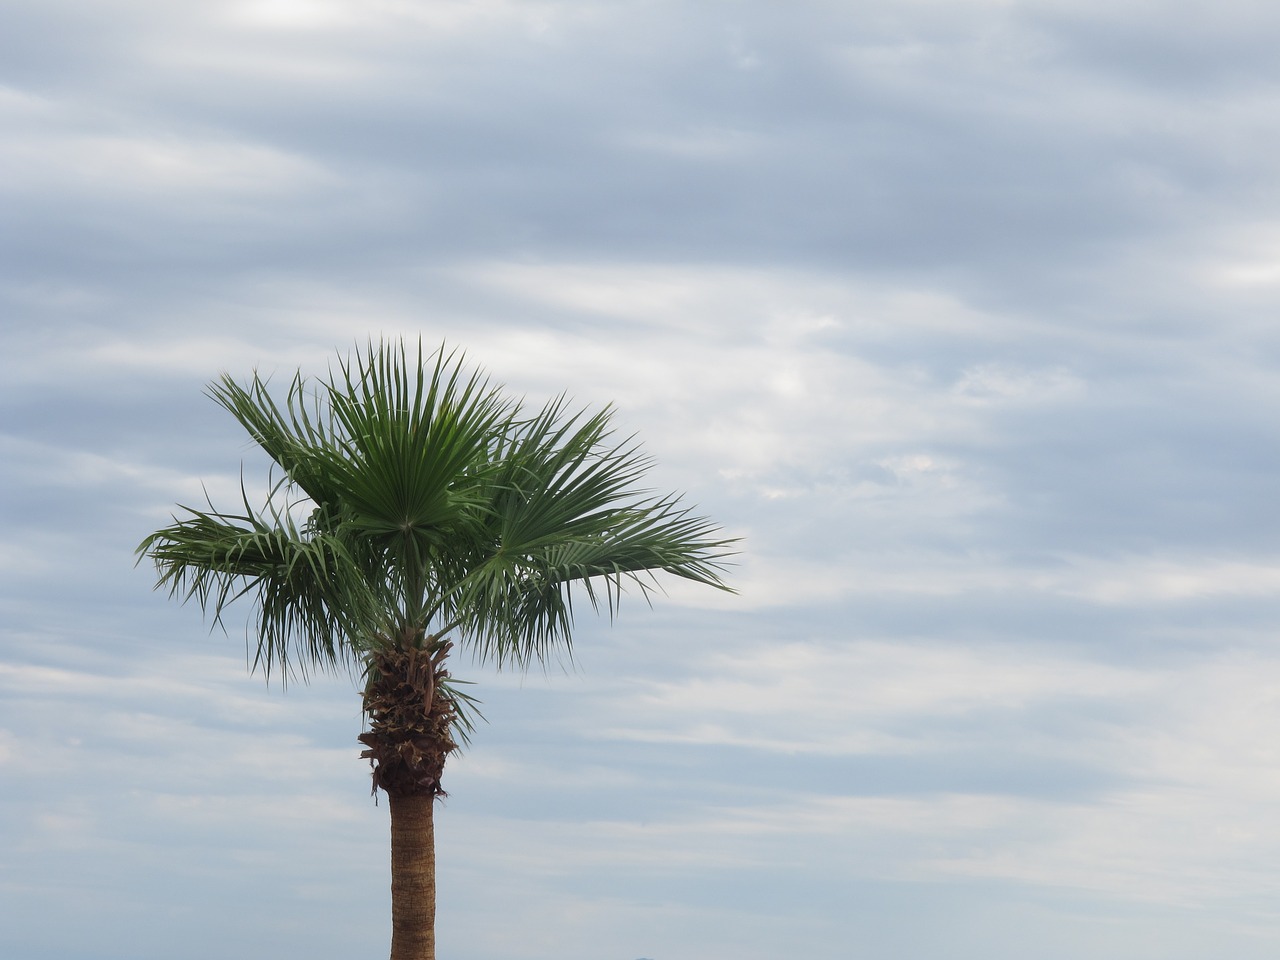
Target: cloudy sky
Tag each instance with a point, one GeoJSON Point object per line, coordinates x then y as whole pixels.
{"type": "Point", "coordinates": [965, 314]}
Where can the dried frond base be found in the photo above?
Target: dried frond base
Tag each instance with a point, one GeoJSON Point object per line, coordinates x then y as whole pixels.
{"type": "Point", "coordinates": [410, 722]}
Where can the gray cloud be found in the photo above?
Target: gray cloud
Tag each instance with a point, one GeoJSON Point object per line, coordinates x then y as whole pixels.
{"type": "Point", "coordinates": [962, 313]}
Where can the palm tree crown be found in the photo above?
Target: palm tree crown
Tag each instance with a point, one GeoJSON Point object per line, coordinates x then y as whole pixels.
{"type": "Point", "coordinates": [435, 503]}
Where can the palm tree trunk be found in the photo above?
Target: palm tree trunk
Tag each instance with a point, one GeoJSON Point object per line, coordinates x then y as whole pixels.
{"type": "Point", "coordinates": [413, 878]}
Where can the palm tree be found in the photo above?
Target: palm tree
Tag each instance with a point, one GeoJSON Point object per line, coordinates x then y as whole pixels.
{"type": "Point", "coordinates": [417, 506]}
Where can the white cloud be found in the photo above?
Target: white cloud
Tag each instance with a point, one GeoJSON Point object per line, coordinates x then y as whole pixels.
{"type": "Point", "coordinates": [156, 168]}
{"type": "Point", "coordinates": [999, 383]}
{"type": "Point", "coordinates": [851, 696]}
{"type": "Point", "coordinates": [293, 14]}
{"type": "Point", "coordinates": [766, 580]}
{"type": "Point", "coordinates": [1139, 581]}
{"type": "Point", "coordinates": [709, 145]}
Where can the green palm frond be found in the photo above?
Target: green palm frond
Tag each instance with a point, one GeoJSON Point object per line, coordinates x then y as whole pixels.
{"type": "Point", "coordinates": [408, 438]}
{"type": "Point", "coordinates": [564, 515]}
{"type": "Point", "coordinates": [310, 592]}
{"type": "Point", "coordinates": [466, 709]}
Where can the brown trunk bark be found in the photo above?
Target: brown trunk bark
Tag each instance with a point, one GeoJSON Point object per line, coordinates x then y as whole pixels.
{"type": "Point", "coordinates": [413, 878]}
